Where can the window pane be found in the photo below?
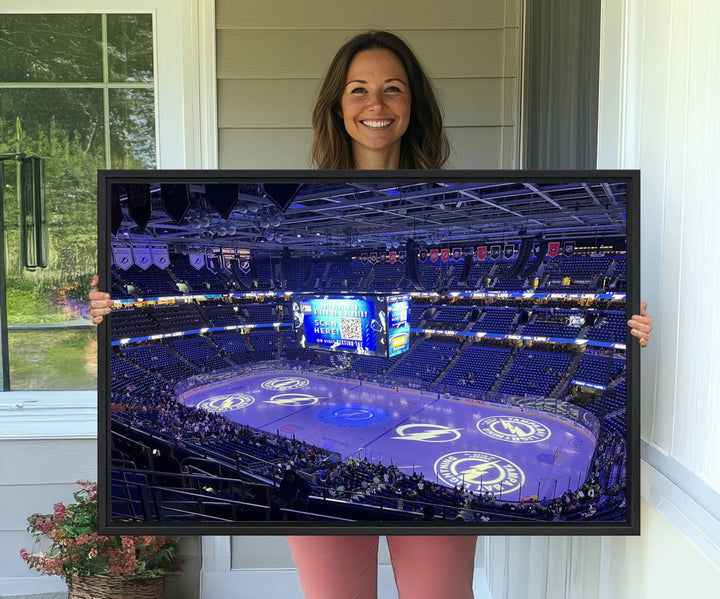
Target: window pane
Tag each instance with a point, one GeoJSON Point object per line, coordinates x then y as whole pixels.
{"type": "Point", "coordinates": [132, 128]}
{"type": "Point", "coordinates": [53, 359]}
{"type": "Point", "coordinates": [50, 48]}
{"type": "Point", "coordinates": [65, 127]}
{"type": "Point", "coordinates": [53, 121]}
{"type": "Point", "coordinates": [130, 47]}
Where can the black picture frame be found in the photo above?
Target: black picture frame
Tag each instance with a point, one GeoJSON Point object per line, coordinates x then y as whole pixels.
{"type": "Point", "coordinates": [592, 182]}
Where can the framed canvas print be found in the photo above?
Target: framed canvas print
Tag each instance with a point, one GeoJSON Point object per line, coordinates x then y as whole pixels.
{"type": "Point", "coordinates": [395, 352]}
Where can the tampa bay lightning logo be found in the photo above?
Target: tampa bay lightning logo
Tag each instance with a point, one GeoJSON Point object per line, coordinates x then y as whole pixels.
{"type": "Point", "coordinates": [226, 403]}
{"type": "Point", "coordinates": [427, 433]}
{"type": "Point", "coordinates": [514, 429]}
{"type": "Point", "coordinates": [285, 383]}
{"type": "Point", "coordinates": [293, 399]}
{"type": "Point", "coordinates": [354, 415]}
{"type": "Point", "coordinates": [479, 472]}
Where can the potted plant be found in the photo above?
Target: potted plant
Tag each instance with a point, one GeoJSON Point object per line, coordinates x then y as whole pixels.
{"type": "Point", "coordinates": [95, 565]}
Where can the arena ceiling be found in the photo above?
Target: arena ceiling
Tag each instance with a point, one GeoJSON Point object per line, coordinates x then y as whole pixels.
{"type": "Point", "coordinates": [330, 218]}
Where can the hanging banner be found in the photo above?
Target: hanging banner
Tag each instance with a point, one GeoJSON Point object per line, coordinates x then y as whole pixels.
{"type": "Point", "coordinates": [433, 255]}
{"type": "Point", "coordinates": [196, 257]}
{"type": "Point", "coordinates": [469, 251]}
{"type": "Point", "coordinates": [423, 255]}
{"type": "Point", "coordinates": [141, 255]}
{"type": "Point", "coordinates": [212, 259]}
{"type": "Point", "coordinates": [226, 258]}
{"type": "Point", "coordinates": [383, 257]}
{"type": "Point", "coordinates": [160, 255]}
{"type": "Point", "coordinates": [392, 256]}
{"type": "Point", "coordinates": [494, 252]}
{"type": "Point", "coordinates": [123, 255]}
{"type": "Point", "coordinates": [364, 258]}
{"type": "Point", "coordinates": [509, 250]}
{"type": "Point", "coordinates": [481, 252]}
{"type": "Point", "coordinates": [402, 256]}
{"type": "Point", "coordinates": [373, 257]}
{"type": "Point", "coordinates": [553, 249]}
{"type": "Point", "coordinates": [457, 254]}
{"type": "Point", "coordinates": [445, 254]}
{"type": "Point", "coordinates": [244, 265]}
{"type": "Point", "coordinates": [569, 248]}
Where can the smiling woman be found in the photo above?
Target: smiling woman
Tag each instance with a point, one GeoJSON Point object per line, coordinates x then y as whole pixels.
{"type": "Point", "coordinates": [375, 78]}
{"type": "Point", "coordinates": [375, 108]}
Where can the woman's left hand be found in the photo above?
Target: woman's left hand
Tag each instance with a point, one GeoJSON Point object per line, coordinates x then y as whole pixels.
{"type": "Point", "coordinates": [641, 325]}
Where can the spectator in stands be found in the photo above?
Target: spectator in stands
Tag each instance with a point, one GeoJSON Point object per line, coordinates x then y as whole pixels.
{"type": "Point", "coordinates": [377, 110]}
{"type": "Point", "coordinates": [428, 512]}
{"type": "Point", "coordinates": [293, 493]}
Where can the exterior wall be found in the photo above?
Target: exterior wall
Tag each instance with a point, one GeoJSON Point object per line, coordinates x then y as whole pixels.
{"type": "Point", "coordinates": [271, 57]}
{"type": "Point", "coordinates": [659, 83]}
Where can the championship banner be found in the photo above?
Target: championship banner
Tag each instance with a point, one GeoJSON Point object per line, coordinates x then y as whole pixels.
{"type": "Point", "coordinates": [212, 259]}
{"type": "Point", "coordinates": [481, 252]}
{"type": "Point", "coordinates": [244, 265]}
{"type": "Point", "coordinates": [445, 254]}
{"type": "Point", "coordinates": [423, 255]}
{"type": "Point", "coordinates": [226, 258]}
{"type": "Point", "coordinates": [433, 255]}
{"type": "Point", "coordinates": [392, 257]}
{"type": "Point", "coordinates": [568, 248]}
{"type": "Point", "coordinates": [373, 257]}
{"type": "Point", "coordinates": [123, 255]}
{"type": "Point", "coordinates": [196, 257]}
{"type": "Point", "coordinates": [141, 255]}
{"type": "Point", "coordinates": [494, 252]}
{"type": "Point", "coordinates": [160, 255]}
{"type": "Point", "coordinates": [553, 249]}
{"type": "Point", "coordinates": [402, 256]}
{"type": "Point", "coordinates": [509, 250]}
{"type": "Point", "coordinates": [383, 257]}
{"type": "Point", "coordinates": [364, 258]}
{"type": "Point", "coordinates": [457, 254]}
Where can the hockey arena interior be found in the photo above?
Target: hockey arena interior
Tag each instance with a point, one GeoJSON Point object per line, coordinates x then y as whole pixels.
{"type": "Point", "coordinates": [368, 352]}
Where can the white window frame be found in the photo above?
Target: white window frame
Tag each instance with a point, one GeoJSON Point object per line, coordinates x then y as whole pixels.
{"type": "Point", "coordinates": [186, 136]}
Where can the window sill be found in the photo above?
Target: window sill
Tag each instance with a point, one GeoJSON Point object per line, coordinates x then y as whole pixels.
{"type": "Point", "coordinates": [48, 415]}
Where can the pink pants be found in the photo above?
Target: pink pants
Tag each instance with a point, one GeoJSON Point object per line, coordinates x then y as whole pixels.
{"type": "Point", "coordinates": [427, 567]}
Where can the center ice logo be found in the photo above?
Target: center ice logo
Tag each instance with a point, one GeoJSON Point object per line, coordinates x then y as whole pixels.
{"type": "Point", "coordinates": [479, 472]}
{"type": "Point", "coordinates": [285, 383]}
{"type": "Point", "coordinates": [514, 429]}
{"type": "Point", "coordinates": [226, 403]}
{"type": "Point", "coordinates": [293, 399]}
{"type": "Point", "coordinates": [353, 415]}
{"type": "Point", "coordinates": [428, 433]}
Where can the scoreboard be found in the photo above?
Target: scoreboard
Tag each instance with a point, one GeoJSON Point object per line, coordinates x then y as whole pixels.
{"type": "Point", "coordinates": [370, 325]}
{"type": "Point", "coordinates": [398, 309]}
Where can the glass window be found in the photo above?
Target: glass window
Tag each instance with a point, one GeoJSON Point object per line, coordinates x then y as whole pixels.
{"type": "Point", "coordinates": [77, 91]}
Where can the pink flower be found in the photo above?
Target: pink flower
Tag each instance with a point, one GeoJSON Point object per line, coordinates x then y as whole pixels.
{"type": "Point", "coordinates": [128, 542]}
{"type": "Point", "coordinates": [59, 512]}
{"type": "Point", "coordinates": [44, 526]}
{"type": "Point", "coordinates": [121, 562]}
{"type": "Point", "coordinates": [24, 555]}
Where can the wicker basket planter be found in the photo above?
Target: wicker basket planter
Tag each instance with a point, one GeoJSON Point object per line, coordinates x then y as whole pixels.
{"type": "Point", "coordinates": [116, 587]}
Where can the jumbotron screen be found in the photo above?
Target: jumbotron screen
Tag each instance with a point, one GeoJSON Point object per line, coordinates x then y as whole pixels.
{"type": "Point", "coordinates": [398, 310]}
{"type": "Point", "coordinates": [355, 324]}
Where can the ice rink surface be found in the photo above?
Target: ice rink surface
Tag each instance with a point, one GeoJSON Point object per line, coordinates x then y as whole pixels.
{"type": "Point", "coordinates": [486, 446]}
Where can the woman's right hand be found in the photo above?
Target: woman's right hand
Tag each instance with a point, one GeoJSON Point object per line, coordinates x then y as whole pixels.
{"type": "Point", "coordinates": [100, 302]}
